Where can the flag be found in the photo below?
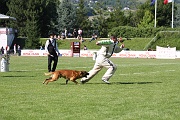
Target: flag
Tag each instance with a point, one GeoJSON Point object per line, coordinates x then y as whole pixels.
{"type": "Point", "coordinates": [152, 2]}
{"type": "Point", "coordinates": [167, 1]}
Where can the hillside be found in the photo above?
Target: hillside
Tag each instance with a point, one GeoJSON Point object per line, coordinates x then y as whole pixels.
{"type": "Point", "coordinates": [133, 44]}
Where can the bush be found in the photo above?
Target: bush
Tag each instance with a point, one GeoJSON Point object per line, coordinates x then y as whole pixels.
{"type": "Point", "coordinates": [133, 32]}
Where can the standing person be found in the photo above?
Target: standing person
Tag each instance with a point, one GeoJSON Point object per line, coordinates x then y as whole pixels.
{"type": "Point", "coordinates": [79, 34]}
{"type": "Point", "coordinates": [52, 49]}
{"type": "Point", "coordinates": [65, 33]}
{"type": "Point", "coordinates": [19, 50]}
{"type": "Point", "coordinates": [75, 33]}
{"type": "Point", "coordinates": [85, 47]}
{"type": "Point", "coordinates": [102, 60]}
{"type": "Point", "coordinates": [14, 48]}
{"type": "Point", "coordinates": [2, 50]}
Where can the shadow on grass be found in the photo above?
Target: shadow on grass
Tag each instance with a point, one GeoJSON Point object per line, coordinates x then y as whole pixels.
{"type": "Point", "coordinates": [125, 83]}
{"type": "Point", "coordinates": [112, 83]}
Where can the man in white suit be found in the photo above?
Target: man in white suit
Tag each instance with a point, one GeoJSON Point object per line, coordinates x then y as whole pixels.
{"type": "Point", "coordinates": [108, 48]}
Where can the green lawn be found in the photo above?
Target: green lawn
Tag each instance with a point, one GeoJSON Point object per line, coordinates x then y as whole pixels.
{"type": "Point", "coordinates": [141, 89]}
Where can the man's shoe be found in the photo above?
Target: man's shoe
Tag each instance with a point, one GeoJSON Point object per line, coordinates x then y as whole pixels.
{"type": "Point", "coordinates": [107, 82]}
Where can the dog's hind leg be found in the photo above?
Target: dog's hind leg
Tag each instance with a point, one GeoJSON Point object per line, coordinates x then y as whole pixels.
{"type": "Point", "coordinates": [50, 80]}
{"type": "Point", "coordinates": [67, 81]}
{"type": "Point", "coordinates": [46, 80]}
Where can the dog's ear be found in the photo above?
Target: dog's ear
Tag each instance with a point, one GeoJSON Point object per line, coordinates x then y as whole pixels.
{"type": "Point", "coordinates": [81, 72]}
{"type": "Point", "coordinates": [84, 73]}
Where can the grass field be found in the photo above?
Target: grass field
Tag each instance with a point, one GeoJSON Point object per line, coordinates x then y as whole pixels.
{"type": "Point", "coordinates": [141, 89]}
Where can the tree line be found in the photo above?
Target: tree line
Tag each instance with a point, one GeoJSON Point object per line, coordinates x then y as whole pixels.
{"type": "Point", "coordinates": [35, 18]}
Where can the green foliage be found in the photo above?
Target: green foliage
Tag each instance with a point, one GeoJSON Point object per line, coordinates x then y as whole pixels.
{"type": "Point", "coordinates": [164, 15]}
{"type": "Point", "coordinates": [164, 38]}
{"type": "Point", "coordinates": [17, 9]}
{"type": "Point", "coordinates": [41, 16]}
{"type": "Point", "coordinates": [66, 16]}
{"type": "Point", "coordinates": [3, 6]}
{"type": "Point", "coordinates": [147, 21]}
{"type": "Point", "coordinates": [133, 44]}
{"type": "Point", "coordinates": [117, 18]}
{"type": "Point", "coordinates": [134, 32]}
{"type": "Point", "coordinates": [141, 89]}
{"type": "Point", "coordinates": [48, 16]}
{"type": "Point", "coordinates": [82, 17]}
{"type": "Point", "coordinates": [32, 24]}
{"type": "Point", "coordinates": [177, 17]}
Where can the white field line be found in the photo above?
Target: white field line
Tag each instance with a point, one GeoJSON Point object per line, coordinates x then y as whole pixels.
{"type": "Point", "coordinates": [145, 64]}
{"type": "Point", "coordinates": [145, 73]}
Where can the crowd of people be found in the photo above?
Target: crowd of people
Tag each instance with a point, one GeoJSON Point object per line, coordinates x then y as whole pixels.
{"type": "Point", "coordinates": [7, 50]}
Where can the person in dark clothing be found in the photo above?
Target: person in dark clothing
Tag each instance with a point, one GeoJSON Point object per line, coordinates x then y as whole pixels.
{"type": "Point", "coordinates": [2, 50]}
{"type": "Point", "coordinates": [53, 52]}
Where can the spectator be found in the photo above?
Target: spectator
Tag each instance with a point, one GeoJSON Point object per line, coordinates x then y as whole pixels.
{"type": "Point", "coordinates": [62, 35]}
{"type": "Point", "coordinates": [19, 50]}
{"type": "Point", "coordinates": [94, 37]}
{"type": "Point", "coordinates": [14, 48]}
{"type": "Point", "coordinates": [41, 48]}
{"type": "Point", "coordinates": [65, 33]}
{"type": "Point", "coordinates": [85, 48]}
{"type": "Point", "coordinates": [120, 39]}
{"type": "Point", "coordinates": [122, 45]}
{"type": "Point", "coordinates": [7, 51]}
{"type": "Point", "coordinates": [79, 34]}
{"type": "Point", "coordinates": [2, 50]}
{"type": "Point", "coordinates": [75, 33]}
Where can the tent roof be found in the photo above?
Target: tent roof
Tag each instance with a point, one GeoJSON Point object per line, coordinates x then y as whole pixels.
{"type": "Point", "coordinates": [6, 17]}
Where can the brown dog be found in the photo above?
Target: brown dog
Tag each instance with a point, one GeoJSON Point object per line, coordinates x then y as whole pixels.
{"type": "Point", "coordinates": [71, 75]}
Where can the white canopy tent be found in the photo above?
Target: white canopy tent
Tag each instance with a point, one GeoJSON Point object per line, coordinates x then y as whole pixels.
{"type": "Point", "coordinates": [6, 17]}
{"type": "Point", "coordinates": [6, 34]}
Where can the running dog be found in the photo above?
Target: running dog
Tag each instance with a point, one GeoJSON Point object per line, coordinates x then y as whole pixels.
{"type": "Point", "coordinates": [71, 75]}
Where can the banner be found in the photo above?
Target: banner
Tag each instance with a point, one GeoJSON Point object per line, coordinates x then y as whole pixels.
{"type": "Point", "coordinates": [165, 53]}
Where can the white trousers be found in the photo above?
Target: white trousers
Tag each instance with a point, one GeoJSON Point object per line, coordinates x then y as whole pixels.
{"type": "Point", "coordinates": [101, 62]}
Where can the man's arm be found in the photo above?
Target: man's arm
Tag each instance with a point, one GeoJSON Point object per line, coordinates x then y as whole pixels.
{"type": "Point", "coordinates": [46, 46]}
{"type": "Point", "coordinates": [57, 50]}
{"type": "Point", "coordinates": [104, 42]}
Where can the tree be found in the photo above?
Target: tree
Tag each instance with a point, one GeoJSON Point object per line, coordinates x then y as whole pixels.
{"type": "Point", "coordinates": [16, 9]}
{"type": "Point", "coordinates": [32, 24]}
{"type": "Point", "coordinates": [82, 18]}
{"type": "Point", "coordinates": [177, 17]}
{"type": "Point", "coordinates": [66, 16]}
{"type": "Point", "coordinates": [117, 17]}
{"type": "Point", "coordinates": [147, 20]}
{"type": "Point", "coordinates": [48, 16]}
{"type": "Point", "coordinates": [163, 16]}
{"type": "Point", "coordinates": [3, 6]}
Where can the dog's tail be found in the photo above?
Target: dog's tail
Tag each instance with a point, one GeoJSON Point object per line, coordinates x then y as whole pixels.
{"type": "Point", "coordinates": [50, 73]}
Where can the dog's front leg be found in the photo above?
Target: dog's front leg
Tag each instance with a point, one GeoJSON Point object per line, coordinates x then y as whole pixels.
{"type": "Point", "coordinates": [74, 81]}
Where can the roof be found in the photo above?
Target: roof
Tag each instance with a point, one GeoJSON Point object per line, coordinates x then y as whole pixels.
{"type": "Point", "coordinates": [6, 17]}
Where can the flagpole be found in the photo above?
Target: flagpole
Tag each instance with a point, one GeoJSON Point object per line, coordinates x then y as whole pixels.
{"type": "Point", "coordinates": [155, 13]}
{"type": "Point", "coordinates": [172, 14]}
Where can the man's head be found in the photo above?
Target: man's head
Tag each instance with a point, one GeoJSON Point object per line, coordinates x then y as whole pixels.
{"type": "Point", "coordinates": [114, 38]}
{"type": "Point", "coordinates": [51, 34]}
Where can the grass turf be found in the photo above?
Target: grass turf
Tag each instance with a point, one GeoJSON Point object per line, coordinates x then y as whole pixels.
{"type": "Point", "coordinates": [141, 89]}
